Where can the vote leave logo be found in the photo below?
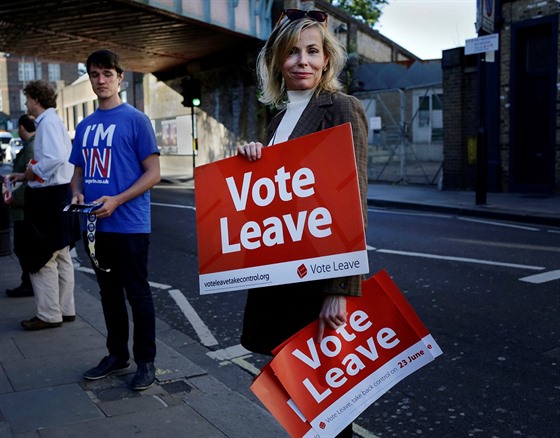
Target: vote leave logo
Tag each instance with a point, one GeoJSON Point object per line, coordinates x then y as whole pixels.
{"type": "Point", "coordinates": [301, 271]}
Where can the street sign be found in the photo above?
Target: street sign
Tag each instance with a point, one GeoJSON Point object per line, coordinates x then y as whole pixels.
{"type": "Point", "coordinates": [486, 43]}
{"type": "Point", "coordinates": [485, 15]}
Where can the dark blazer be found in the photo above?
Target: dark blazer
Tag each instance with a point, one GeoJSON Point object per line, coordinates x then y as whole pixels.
{"type": "Point", "coordinates": [324, 111]}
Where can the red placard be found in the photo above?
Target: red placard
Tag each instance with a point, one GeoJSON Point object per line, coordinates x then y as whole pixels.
{"type": "Point", "coordinates": [294, 215]}
{"type": "Point", "coordinates": [272, 394]}
{"type": "Point", "coordinates": [333, 382]}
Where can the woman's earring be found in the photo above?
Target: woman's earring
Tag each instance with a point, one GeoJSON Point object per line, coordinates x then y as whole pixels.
{"type": "Point", "coordinates": [325, 68]}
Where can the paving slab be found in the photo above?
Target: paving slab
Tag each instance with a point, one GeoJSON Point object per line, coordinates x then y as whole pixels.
{"type": "Point", "coordinates": [164, 422]}
{"type": "Point", "coordinates": [171, 365]}
{"type": "Point", "coordinates": [5, 384]}
{"type": "Point", "coordinates": [130, 405]}
{"type": "Point", "coordinates": [71, 337]}
{"type": "Point", "coordinates": [9, 350]}
{"type": "Point", "coordinates": [28, 411]}
{"type": "Point", "coordinates": [15, 310]}
{"type": "Point", "coordinates": [44, 371]}
{"type": "Point", "coordinates": [234, 415]}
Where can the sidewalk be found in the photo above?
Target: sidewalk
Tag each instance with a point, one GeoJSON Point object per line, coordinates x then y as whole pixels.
{"type": "Point", "coordinates": [529, 208]}
{"type": "Point", "coordinates": [43, 394]}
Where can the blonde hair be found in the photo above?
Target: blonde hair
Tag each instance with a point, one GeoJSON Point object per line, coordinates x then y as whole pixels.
{"type": "Point", "coordinates": [277, 48]}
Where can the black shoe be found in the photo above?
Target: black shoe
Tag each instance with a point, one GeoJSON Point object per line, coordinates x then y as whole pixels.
{"type": "Point", "coordinates": [20, 291]}
{"type": "Point", "coordinates": [68, 318]}
{"type": "Point", "coordinates": [108, 365]}
{"type": "Point", "coordinates": [145, 376]}
{"type": "Point", "coordinates": [38, 324]}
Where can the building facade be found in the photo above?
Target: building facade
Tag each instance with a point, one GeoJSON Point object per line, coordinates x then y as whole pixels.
{"type": "Point", "coordinates": [502, 108]}
{"type": "Point", "coordinates": [16, 72]}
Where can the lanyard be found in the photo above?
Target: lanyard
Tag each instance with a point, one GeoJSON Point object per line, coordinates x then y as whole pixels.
{"type": "Point", "coordinates": [91, 226]}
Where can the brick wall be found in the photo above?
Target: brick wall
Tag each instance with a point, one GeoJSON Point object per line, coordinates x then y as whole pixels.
{"type": "Point", "coordinates": [459, 118]}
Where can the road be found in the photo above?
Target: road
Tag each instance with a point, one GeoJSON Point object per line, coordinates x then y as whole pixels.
{"type": "Point", "coordinates": [486, 290]}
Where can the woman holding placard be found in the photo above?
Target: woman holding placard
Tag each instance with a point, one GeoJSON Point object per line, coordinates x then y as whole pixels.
{"type": "Point", "coordinates": [298, 70]}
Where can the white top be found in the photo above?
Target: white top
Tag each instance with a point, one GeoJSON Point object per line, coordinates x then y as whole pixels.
{"type": "Point", "coordinates": [51, 150]}
{"type": "Point", "coordinates": [298, 100]}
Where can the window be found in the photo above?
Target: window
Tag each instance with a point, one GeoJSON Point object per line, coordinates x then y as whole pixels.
{"type": "Point", "coordinates": [26, 71]}
{"type": "Point", "coordinates": [424, 111]}
{"type": "Point", "coordinates": [38, 71]}
{"type": "Point", "coordinates": [428, 116]}
{"type": "Point", "coordinates": [437, 101]}
{"type": "Point", "coordinates": [54, 72]}
{"type": "Point", "coordinates": [74, 116]}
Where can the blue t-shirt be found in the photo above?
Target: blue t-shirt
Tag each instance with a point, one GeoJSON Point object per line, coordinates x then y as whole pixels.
{"type": "Point", "coordinates": [110, 146]}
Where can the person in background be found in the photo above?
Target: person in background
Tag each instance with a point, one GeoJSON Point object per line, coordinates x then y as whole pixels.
{"type": "Point", "coordinates": [116, 162]}
{"type": "Point", "coordinates": [50, 232]}
{"type": "Point", "coordinates": [26, 129]}
{"type": "Point", "coordinates": [298, 70]}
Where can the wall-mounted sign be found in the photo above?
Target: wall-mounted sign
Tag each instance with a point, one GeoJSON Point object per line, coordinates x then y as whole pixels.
{"type": "Point", "coordinates": [483, 44]}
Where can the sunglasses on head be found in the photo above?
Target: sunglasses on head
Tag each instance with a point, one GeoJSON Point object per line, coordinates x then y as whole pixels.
{"type": "Point", "coordinates": [298, 14]}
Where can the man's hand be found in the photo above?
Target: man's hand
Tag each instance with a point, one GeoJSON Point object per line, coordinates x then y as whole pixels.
{"type": "Point", "coordinates": [110, 204]}
{"type": "Point", "coordinates": [29, 174]}
{"type": "Point", "coordinates": [15, 177]}
{"type": "Point", "coordinates": [77, 198]}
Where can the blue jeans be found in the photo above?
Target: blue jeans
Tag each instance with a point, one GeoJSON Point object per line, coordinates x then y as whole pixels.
{"type": "Point", "coordinates": [126, 255]}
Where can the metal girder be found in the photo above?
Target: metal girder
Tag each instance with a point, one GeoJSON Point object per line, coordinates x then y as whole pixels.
{"type": "Point", "coordinates": [152, 36]}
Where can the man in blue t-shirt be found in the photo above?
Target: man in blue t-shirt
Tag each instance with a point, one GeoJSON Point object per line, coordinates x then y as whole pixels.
{"type": "Point", "coordinates": [116, 161]}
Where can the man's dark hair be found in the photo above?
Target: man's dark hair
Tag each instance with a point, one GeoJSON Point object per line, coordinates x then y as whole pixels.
{"type": "Point", "coordinates": [104, 59]}
{"type": "Point", "coordinates": [27, 122]}
{"type": "Point", "coordinates": [41, 91]}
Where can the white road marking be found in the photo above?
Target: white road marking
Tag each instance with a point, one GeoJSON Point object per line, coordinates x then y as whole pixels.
{"type": "Point", "coordinates": [84, 269]}
{"type": "Point", "coordinates": [229, 353]}
{"type": "Point", "coordinates": [410, 213]}
{"type": "Point", "coordinates": [363, 433]}
{"type": "Point", "coordinates": [460, 259]}
{"type": "Point", "coordinates": [235, 354]}
{"type": "Point", "coordinates": [508, 245]}
{"type": "Point", "coordinates": [543, 277]}
{"type": "Point", "coordinates": [247, 366]}
{"type": "Point", "coordinates": [159, 204]}
{"type": "Point", "coordinates": [160, 285]}
{"type": "Point", "coordinates": [152, 284]}
{"type": "Point", "coordinates": [499, 224]}
{"type": "Point", "coordinates": [206, 337]}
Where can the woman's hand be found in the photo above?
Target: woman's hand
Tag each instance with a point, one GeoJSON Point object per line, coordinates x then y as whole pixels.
{"type": "Point", "coordinates": [333, 314]}
{"type": "Point", "coordinates": [252, 151]}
